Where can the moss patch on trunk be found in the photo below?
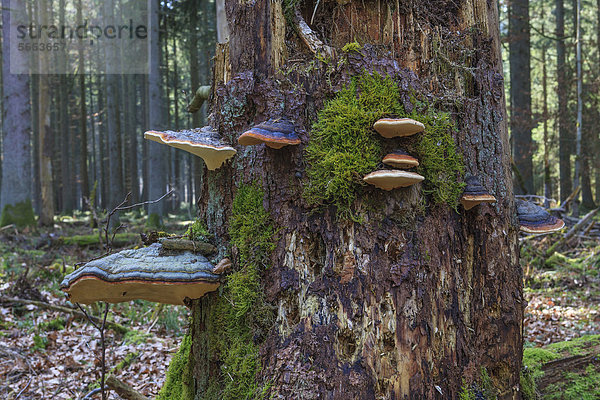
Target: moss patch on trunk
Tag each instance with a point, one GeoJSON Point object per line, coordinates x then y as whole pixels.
{"type": "Point", "coordinates": [20, 214]}
{"type": "Point", "coordinates": [179, 382]}
{"type": "Point", "coordinates": [344, 147]}
{"type": "Point", "coordinates": [239, 319]}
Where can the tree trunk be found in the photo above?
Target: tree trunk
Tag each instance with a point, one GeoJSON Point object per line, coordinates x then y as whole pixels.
{"type": "Point", "coordinates": [405, 303]}
{"type": "Point", "coordinates": [83, 138]}
{"type": "Point", "coordinates": [157, 171]}
{"type": "Point", "coordinates": [16, 119]}
{"type": "Point", "coordinates": [564, 135]}
{"type": "Point", "coordinates": [520, 92]}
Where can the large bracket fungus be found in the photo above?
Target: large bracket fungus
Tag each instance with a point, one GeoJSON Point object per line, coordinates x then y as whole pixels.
{"type": "Point", "coordinates": [400, 159]}
{"type": "Point", "coordinates": [145, 274]}
{"type": "Point", "coordinates": [398, 127]}
{"type": "Point", "coordinates": [534, 219]}
{"type": "Point", "coordinates": [275, 133]}
{"type": "Point", "coordinates": [392, 179]}
{"type": "Point", "coordinates": [475, 193]}
{"type": "Point", "coordinates": [203, 142]}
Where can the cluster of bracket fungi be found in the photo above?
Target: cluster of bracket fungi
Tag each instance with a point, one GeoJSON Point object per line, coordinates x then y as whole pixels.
{"type": "Point", "coordinates": [173, 270]}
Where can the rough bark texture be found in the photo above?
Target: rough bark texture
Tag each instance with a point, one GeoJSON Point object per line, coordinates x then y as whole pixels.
{"type": "Point", "coordinates": [379, 309]}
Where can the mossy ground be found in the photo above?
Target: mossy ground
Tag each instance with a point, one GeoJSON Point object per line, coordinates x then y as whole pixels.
{"type": "Point", "coordinates": [179, 383]}
{"type": "Point", "coordinates": [240, 315]}
{"type": "Point", "coordinates": [343, 146]}
{"type": "Point", "coordinates": [20, 214]}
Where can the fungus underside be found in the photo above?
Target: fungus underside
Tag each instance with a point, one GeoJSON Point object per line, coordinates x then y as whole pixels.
{"type": "Point", "coordinates": [343, 147]}
{"type": "Point", "coordinates": [241, 314]}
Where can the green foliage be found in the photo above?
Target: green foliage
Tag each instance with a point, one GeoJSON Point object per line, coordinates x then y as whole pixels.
{"type": "Point", "coordinates": [179, 384]}
{"type": "Point", "coordinates": [154, 221]}
{"type": "Point", "coordinates": [20, 214]}
{"type": "Point", "coordinates": [57, 324]}
{"type": "Point", "coordinates": [198, 231]}
{"type": "Point", "coordinates": [343, 147]}
{"type": "Point", "coordinates": [237, 318]}
{"type": "Point", "coordinates": [439, 162]}
{"type": "Point", "coordinates": [352, 46]}
{"type": "Point", "coordinates": [39, 342]}
{"type": "Point", "coordinates": [528, 386]}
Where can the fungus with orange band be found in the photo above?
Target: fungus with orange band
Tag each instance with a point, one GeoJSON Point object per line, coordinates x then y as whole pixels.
{"type": "Point", "coordinates": [275, 133]}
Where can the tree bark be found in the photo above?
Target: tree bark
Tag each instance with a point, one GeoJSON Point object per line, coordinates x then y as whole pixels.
{"type": "Point", "coordinates": [564, 135]}
{"type": "Point", "coordinates": [374, 309]}
{"type": "Point", "coordinates": [520, 92]}
{"type": "Point", "coordinates": [16, 115]}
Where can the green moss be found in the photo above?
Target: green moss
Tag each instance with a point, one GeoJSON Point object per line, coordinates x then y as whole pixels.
{"type": "Point", "coordinates": [154, 221]}
{"type": "Point", "coordinates": [198, 231]}
{"type": "Point", "coordinates": [528, 386]}
{"type": "Point", "coordinates": [352, 46]}
{"type": "Point", "coordinates": [179, 384]}
{"type": "Point", "coordinates": [237, 320]}
{"type": "Point", "coordinates": [575, 386]}
{"type": "Point", "coordinates": [20, 214]}
{"type": "Point", "coordinates": [439, 162]}
{"type": "Point", "coordinates": [575, 346]}
{"type": "Point", "coordinates": [57, 324]}
{"type": "Point", "coordinates": [343, 147]}
{"type": "Point", "coordinates": [120, 239]}
{"type": "Point", "coordinates": [533, 358]}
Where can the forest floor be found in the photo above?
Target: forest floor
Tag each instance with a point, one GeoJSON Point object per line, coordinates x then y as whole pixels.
{"type": "Point", "coordinates": [47, 354]}
{"type": "Point", "coordinates": [52, 354]}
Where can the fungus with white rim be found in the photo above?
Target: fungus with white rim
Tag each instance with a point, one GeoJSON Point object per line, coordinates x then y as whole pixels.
{"type": "Point", "coordinates": [475, 193]}
{"type": "Point", "coordinates": [534, 219]}
{"type": "Point", "coordinates": [275, 133]}
{"type": "Point", "coordinates": [392, 179]}
{"type": "Point", "coordinates": [142, 274]}
{"type": "Point", "coordinates": [397, 127]}
{"type": "Point", "coordinates": [400, 159]}
{"type": "Point", "coordinates": [204, 143]}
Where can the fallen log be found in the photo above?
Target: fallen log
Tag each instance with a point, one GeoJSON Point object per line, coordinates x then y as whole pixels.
{"type": "Point", "coordinates": [194, 246]}
{"type": "Point", "coordinates": [578, 226]}
{"type": "Point", "coordinates": [123, 389]}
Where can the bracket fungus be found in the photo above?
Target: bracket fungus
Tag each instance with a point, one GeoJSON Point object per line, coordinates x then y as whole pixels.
{"type": "Point", "coordinates": [400, 159]}
{"type": "Point", "coordinates": [275, 133]}
{"type": "Point", "coordinates": [534, 219]}
{"type": "Point", "coordinates": [392, 179]}
{"type": "Point", "coordinates": [204, 143]}
{"type": "Point", "coordinates": [475, 193]}
{"type": "Point", "coordinates": [142, 274]}
{"type": "Point", "coordinates": [397, 127]}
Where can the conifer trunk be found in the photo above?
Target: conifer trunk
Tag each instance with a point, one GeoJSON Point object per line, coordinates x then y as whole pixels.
{"type": "Point", "coordinates": [415, 299]}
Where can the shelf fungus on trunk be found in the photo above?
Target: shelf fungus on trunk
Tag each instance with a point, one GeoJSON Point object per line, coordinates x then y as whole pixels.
{"type": "Point", "coordinates": [203, 142]}
{"type": "Point", "coordinates": [392, 179]}
{"type": "Point", "coordinates": [398, 127]}
{"type": "Point", "coordinates": [534, 219]}
{"type": "Point", "coordinates": [400, 159]}
{"type": "Point", "coordinates": [143, 274]}
{"type": "Point", "coordinates": [275, 133]}
{"type": "Point", "coordinates": [475, 193]}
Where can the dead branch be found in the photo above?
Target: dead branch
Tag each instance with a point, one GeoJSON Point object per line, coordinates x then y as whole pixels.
{"type": "Point", "coordinates": [201, 95]}
{"type": "Point", "coordinates": [123, 389]}
{"type": "Point", "coordinates": [567, 236]}
{"type": "Point", "coordinates": [310, 39]}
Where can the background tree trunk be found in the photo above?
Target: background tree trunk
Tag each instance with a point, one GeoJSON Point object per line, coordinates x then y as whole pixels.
{"type": "Point", "coordinates": [520, 92]}
{"type": "Point", "coordinates": [375, 309]}
{"type": "Point", "coordinates": [564, 135]}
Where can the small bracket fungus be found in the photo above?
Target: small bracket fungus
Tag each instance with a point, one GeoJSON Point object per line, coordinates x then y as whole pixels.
{"type": "Point", "coordinates": [400, 159]}
{"type": "Point", "coordinates": [534, 219]}
{"type": "Point", "coordinates": [398, 127]}
{"type": "Point", "coordinates": [475, 193]}
{"type": "Point", "coordinates": [275, 133]}
{"type": "Point", "coordinates": [392, 179]}
{"type": "Point", "coordinates": [204, 143]}
{"type": "Point", "coordinates": [222, 266]}
{"type": "Point", "coordinates": [142, 274]}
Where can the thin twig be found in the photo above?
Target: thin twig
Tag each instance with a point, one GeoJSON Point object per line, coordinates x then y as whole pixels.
{"type": "Point", "coordinates": [25, 388]}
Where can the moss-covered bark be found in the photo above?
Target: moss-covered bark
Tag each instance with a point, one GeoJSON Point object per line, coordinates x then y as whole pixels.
{"type": "Point", "coordinates": [418, 296]}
